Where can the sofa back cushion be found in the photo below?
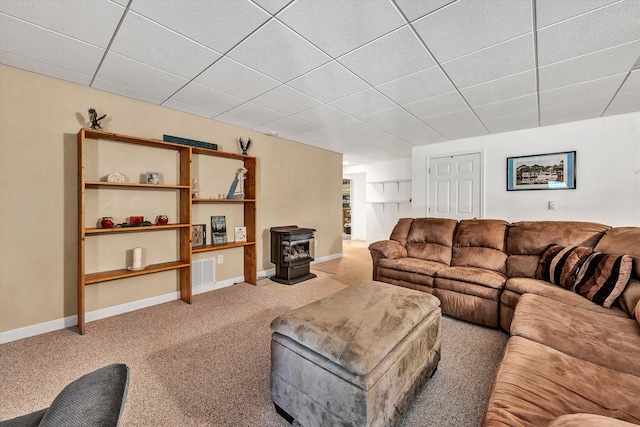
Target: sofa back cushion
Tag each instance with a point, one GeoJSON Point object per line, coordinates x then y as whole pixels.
{"type": "Point", "coordinates": [481, 243]}
{"type": "Point", "coordinates": [401, 230]}
{"type": "Point", "coordinates": [431, 239]}
{"type": "Point", "coordinates": [622, 240]}
{"type": "Point", "coordinates": [528, 240]}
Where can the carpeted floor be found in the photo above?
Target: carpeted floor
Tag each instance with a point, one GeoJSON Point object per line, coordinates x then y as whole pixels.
{"type": "Point", "coordinates": [207, 364]}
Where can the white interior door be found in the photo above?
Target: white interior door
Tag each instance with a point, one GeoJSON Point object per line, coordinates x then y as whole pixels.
{"type": "Point", "coordinates": [454, 186]}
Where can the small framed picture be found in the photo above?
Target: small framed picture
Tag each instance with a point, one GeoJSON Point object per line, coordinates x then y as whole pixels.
{"type": "Point", "coordinates": [218, 230]}
{"type": "Point", "coordinates": [553, 171]}
{"type": "Point", "coordinates": [240, 234]}
{"type": "Point", "coordinates": [153, 178]}
{"type": "Point", "coordinates": [198, 235]}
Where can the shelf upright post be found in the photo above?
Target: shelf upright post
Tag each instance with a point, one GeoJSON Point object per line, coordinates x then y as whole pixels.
{"type": "Point", "coordinates": [186, 290]}
{"type": "Point", "coordinates": [81, 233]}
{"type": "Point", "coordinates": [250, 252]}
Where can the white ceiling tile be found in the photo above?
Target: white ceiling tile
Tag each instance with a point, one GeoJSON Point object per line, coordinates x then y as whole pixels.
{"type": "Point", "coordinates": [329, 82]}
{"type": "Point", "coordinates": [469, 25]}
{"type": "Point", "coordinates": [322, 115]}
{"type": "Point", "coordinates": [573, 112]}
{"type": "Point", "coordinates": [389, 120]}
{"type": "Point", "coordinates": [206, 98]}
{"type": "Point", "coordinates": [528, 119]}
{"type": "Point", "coordinates": [30, 41]}
{"type": "Point", "coordinates": [508, 87]}
{"type": "Point", "coordinates": [92, 22]}
{"type": "Point", "coordinates": [504, 108]}
{"type": "Point", "coordinates": [355, 129]}
{"type": "Point", "coordinates": [395, 55]}
{"type": "Point", "coordinates": [628, 98]}
{"type": "Point", "coordinates": [272, 6]}
{"type": "Point", "coordinates": [600, 88]}
{"type": "Point", "coordinates": [111, 87]}
{"type": "Point", "coordinates": [140, 77]}
{"type": "Point", "coordinates": [54, 71]}
{"type": "Point", "coordinates": [218, 24]}
{"type": "Point", "coordinates": [459, 124]}
{"type": "Point", "coordinates": [175, 105]}
{"type": "Point", "coordinates": [363, 103]}
{"type": "Point", "coordinates": [415, 9]}
{"type": "Point", "coordinates": [235, 121]}
{"type": "Point", "coordinates": [505, 59]}
{"type": "Point", "coordinates": [418, 133]}
{"type": "Point", "coordinates": [421, 85]}
{"type": "Point", "coordinates": [231, 77]}
{"type": "Point", "coordinates": [437, 105]}
{"type": "Point", "coordinates": [154, 45]}
{"type": "Point", "coordinates": [286, 100]}
{"type": "Point", "coordinates": [600, 64]}
{"type": "Point", "coordinates": [338, 26]}
{"type": "Point", "coordinates": [252, 113]}
{"type": "Point", "coordinates": [551, 11]}
{"type": "Point", "coordinates": [286, 126]}
{"type": "Point", "coordinates": [580, 36]}
{"type": "Point", "coordinates": [278, 52]}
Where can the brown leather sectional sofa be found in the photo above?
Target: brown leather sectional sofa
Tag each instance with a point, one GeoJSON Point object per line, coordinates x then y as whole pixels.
{"type": "Point", "coordinates": [569, 361]}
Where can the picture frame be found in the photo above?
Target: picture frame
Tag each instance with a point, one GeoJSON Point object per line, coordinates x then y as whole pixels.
{"type": "Point", "coordinates": [552, 171]}
{"type": "Point", "coordinates": [218, 230]}
{"type": "Point", "coordinates": [240, 234]}
{"type": "Point", "coordinates": [153, 178]}
{"type": "Point", "coordinates": [198, 235]}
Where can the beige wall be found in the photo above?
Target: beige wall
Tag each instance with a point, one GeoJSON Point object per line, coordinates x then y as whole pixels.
{"type": "Point", "coordinates": [39, 120]}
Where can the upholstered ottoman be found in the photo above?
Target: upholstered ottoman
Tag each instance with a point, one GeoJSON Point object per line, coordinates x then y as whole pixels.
{"type": "Point", "coordinates": [357, 357]}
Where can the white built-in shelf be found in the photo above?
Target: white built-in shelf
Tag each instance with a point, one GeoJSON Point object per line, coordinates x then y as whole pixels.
{"type": "Point", "coordinates": [395, 181]}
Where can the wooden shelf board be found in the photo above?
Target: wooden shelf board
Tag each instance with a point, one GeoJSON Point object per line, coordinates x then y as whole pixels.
{"type": "Point", "coordinates": [97, 134]}
{"type": "Point", "coordinates": [217, 153]}
{"type": "Point", "coordinates": [201, 200]}
{"type": "Point", "coordinates": [134, 185]}
{"type": "Point", "coordinates": [229, 245]}
{"type": "Point", "coordinates": [130, 229]}
{"type": "Point", "coordinates": [105, 276]}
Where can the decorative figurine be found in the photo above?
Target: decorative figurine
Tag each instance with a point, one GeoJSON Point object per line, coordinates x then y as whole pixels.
{"type": "Point", "coordinates": [162, 220]}
{"type": "Point", "coordinates": [245, 148]}
{"type": "Point", "coordinates": [235, 192]}
{"type": "Point", "coordinates": [115, 177]}
{"type": "Point", "coordinates": [94, 119]}
{"type": "Point", "coordinates": [195, 189]}
{"type": "Point", "coordinates": [107, 222]}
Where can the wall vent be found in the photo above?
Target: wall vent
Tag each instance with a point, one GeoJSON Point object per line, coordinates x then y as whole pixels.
{"type": "Point", "coordinates": [203, 272]}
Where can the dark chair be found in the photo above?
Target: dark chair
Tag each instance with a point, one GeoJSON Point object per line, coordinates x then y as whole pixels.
{"type": "Point", "coordinates": [96, 399]}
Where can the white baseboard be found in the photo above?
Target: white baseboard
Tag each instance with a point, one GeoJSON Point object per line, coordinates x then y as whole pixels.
{"type": "Point", "coordinates": [70, 321]}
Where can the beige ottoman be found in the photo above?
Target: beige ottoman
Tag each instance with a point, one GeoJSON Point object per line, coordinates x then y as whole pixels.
{"type": "Point", "coordinates": [357, 357]}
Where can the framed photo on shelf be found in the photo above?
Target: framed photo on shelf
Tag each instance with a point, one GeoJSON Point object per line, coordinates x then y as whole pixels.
{"type": "Point", "coordinates": [218, 229]}
{"type": "Point", "coordinates": [198, 235]}
{"type": "Point", "coordinates": [153, 178]}
{"type": "Point", "coordinates": [553, 171]}
{"type": "Point", "coordinates": [240, 234]}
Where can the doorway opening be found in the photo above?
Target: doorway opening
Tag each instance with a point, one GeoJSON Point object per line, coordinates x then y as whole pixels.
{"type": "Point", "coordinates": [346, 209]}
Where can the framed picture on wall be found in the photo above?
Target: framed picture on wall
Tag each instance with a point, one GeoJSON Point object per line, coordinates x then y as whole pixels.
{"type": "Point", "coordinates": [553, 171]}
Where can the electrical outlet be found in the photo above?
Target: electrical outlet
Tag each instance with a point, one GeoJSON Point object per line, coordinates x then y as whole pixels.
{"type": "Point", "coordinates": [220, 259]}
{"type": "Point", "coordinates": [553, 205]}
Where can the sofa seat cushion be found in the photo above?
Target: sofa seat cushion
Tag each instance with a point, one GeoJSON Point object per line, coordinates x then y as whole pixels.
{"type": "Point", "coordinates": [588, 420]}
{"type": "Point", "coordinates": [478, 276]}
{"type": "Point", "coordinates": [413, 265]}
{"type": "Point", "coordinates": [535, 384]}
{"type": "Point", "coordinates": [522, 285]}
{"type": "Point", "coordinates": [605, 340]}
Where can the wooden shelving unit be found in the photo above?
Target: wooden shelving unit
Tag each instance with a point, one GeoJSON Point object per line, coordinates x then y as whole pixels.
{"type": "Point", "coordinates": [183, 226]}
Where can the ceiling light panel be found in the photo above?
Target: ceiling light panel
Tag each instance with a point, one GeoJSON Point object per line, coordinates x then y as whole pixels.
{"type": "Point", "coordinates": [21, 38]}
{"type": "Point", "coordinates": [154, 45]}
{"type": "Point", "coordinates": [467, 26]}
{"type": "Point", "coordinates": [390, 57]}
{"type": "Point", "coordinates": [577, 36]}
{"type": "Point", "coordinates": [278, 52]}
{"type": "Point", "coordinates": [217, 24]}
{"type": "Point", "coordinates": [329, 82]}
{"type": "Point", "coordinates": [233, 78]}
{"type": "Point", "coordinates": [338, 26]}
{"type": "Point", "coordinates": [90, 21]}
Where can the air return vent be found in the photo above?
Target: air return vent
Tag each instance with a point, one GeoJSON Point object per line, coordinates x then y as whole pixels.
{"type": "Point", "coordinates": [203, 272]}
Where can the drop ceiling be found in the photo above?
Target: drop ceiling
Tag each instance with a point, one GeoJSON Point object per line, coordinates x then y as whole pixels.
{"type": "Point", "coordinates": [367, 78]}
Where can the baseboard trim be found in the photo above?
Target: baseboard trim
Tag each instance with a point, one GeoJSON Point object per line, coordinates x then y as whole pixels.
{"type": "Point", "coordinates": [71, 321]}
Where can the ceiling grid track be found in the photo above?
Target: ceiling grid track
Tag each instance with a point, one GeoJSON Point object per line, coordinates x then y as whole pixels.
{"type": "Point", "coordinates": [534, 29]}
{"type": "Point", "coordinates": [113, 37]}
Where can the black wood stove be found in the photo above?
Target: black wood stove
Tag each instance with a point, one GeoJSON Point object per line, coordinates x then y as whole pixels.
{"type": "Point", "coordinates": [292, 250]}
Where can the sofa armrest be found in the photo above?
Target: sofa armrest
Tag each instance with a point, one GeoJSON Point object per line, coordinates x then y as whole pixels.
{"type": "Point", "coordinates": [389, 249]}
{"type": "Point", "coordinates": [587, 420]}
